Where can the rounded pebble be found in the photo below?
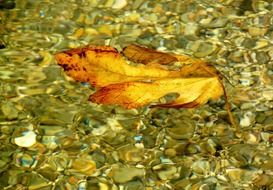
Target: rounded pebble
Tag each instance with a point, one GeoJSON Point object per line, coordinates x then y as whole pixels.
{"type": "Point", "coordinates": [27, 139]}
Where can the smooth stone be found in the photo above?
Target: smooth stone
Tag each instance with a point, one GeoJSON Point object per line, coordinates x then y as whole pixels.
{"type": "Point", "coordinates": [267, 136]}
{"type": "Point", "coordinates": [236, 56]}
{"type": "Point", "coordinates": [262, 57]}
{"type": "Point", "coordinates": [133, 185]}
{"type": "Point", "coordinates": [269, 128]}
{"type": "Point", "coordinates": [9, 110]}
{"type": "Point", "coordinates": [217, 22]}
{"type": "Point", "coordinates": [191, 31]}
{"type": "Point", "coordinates": [167, 173]}
{"type": "Point", "coordinates": [50, 142]}
{"type": "Point", "coordinates": [201, 167]}
{"type": "Point", "coordinates": [212, 145]}
{"type": "Point", "coordinates": [24, 160]}
{"type": "Point", "coordinates": [260, 117]}
{"type": "Point", "coordinates": [27, 139]}
{"type": "Point", "coordinates": [242, 154]}
{"type": "Point", "coordinates": [268, 95]}
{"type": "Point", "coordinates": [259, 5]}
{"type": "Point", "coordinates": [171, 152]}
{"type": "Point", "coordinates": [251, 138]}
{"type": "Point", "coordinates": [241, 176]}
{"type": "Point", "coordinates": [84, 166]}
{"type": "Point", "coordinates": [204, 49]}
{"type": "Point", "coordinates": [137, 3]}
{"type": "Point", "coordinates": [256, 31]}
{"type": "Point", "coordinates": [262, 180]}
{"type": "Point", "coordinates": [123, 175]}
{"type": "Point", "coordinates": [249, 43]}
{"type": "Point", "coordinates": [183, 129]}
{"type": "Point", "coordinates": [131, 153]}
{"type": "Point", "coordinates": [119, 4]}
{"type": "Point", "coordinates": [36, 76]}
{"type": "Point", "coordinates": [48, 171]}
{"type": "Point", "coordinates": [247, 119]}
{"type": "Point", "coordinates": [261, 43]}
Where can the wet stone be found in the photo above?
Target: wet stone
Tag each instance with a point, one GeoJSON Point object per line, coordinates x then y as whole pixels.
{"type": "Point", "coordinates": [249, 43]}
{"type": "Point", "coordinates": [182, 129]}
{"type": "Point", "coordinates": [24, 160]}
{"type": "Point", "coordinates": [134, 185]}
{"type": "Point", "coordinates": [262, 57]}
{"type": "Point", "coordinates": [257, 31]}
{"type": "Point", "coordinates": [242, 155]}
{"type": "Point", "coordinates": [83, 166]}
{"type": "Point", "coordinates": [242, 176]}
{"type": "Point", "coordinates": [48, 171]}
{"type": "Point", "coordinates": [201, 167]}
{"type": "Point", "coordinates": [9, 110]}
{"type": "Point", "coordinates": [25, 139]}
{"type": "Point", "coordinates": [166, 172]}
{"type": "Point", "coordinates": [203, 49]}
{"type": "Point", "coordinates": [131, 153]}
{"type": "Point", "coordinates": [33, 181]}
{"type": "Point", "coordinates": [191, 31]}
{"type": "Point", "coordinates": [217, 22]}
{"type": "Point", "coordinates": [123, 175]}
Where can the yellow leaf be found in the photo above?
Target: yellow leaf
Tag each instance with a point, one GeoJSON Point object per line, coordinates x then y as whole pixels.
{"type": "Point", "coordinates": [136, 85]}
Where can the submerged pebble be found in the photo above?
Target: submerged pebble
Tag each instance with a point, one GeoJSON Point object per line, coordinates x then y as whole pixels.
{"type": "Point", "coordinates": [122, 175]}
{"type": "Point", "coordinates": [26, 139]}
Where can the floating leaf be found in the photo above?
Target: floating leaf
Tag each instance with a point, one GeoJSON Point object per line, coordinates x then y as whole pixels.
{"type": "Point", "coordinates": [145, 56]}
{"type": "Point", "coordinates": [145, 82]}
{"type": "Point", "coordinates": [133, 86]}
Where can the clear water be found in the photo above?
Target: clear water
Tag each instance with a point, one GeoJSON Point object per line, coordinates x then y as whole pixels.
{"type": "Point", "coordinates": [51, 137]}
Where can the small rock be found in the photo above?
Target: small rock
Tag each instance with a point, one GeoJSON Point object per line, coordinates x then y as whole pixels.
{"type": "Point", "coordinates": [217, 22]}
{"type": "Point", "coordinates": [236, 56]}
{"type": "Point", "coordinates": [241, 175]}
{"type": "Point", "coordinates": [183, 129]}
{"type": "Point", "coordinates": [171, 152]}
{"type": "Point", "coordinates": [191, 31]}
{"type": "Point", "coordinates": [201, 167]}
{"type": "Point", "coordinates": [262, 57]}
{"type": "Point", "coordinates": [119, 4]}
{"type": "Point", "coordinates": [27, 139]}
{"type": "Point", "coordinates": [204, 49]}
{"type": "Point", "coordinates": [24, 160]}
{"type": "Point", "coordinates": [262, 180]}
{"type": "Point", "coordinates": [249, 43]}
{"type": "Point", "coordinates": [256, 31]}
{"type": "Point", "coordinates": [84, 166]}
{"type": "Point", "coordinates": [130, 153]}
{"type": "Point", "coordinates": [246, 120]}
{"type": "Point", "coordinates": [123, 175]}
{"type": "Point", "coordinates": [167, 173]}
{"type": "Point", "coordinates": [9, 110]}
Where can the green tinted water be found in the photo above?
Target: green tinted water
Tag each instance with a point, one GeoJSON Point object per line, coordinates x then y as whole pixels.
{"type": "Point", "coordinates": [51, 137]}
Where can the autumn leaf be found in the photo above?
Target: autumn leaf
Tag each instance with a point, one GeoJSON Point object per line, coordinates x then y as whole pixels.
{"type": "Point", "coordinates": [137, 85]}
{"type": "Point", "coordinates": [146, 56]}
{"type": "Point", "coordinates": [139, 76]}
